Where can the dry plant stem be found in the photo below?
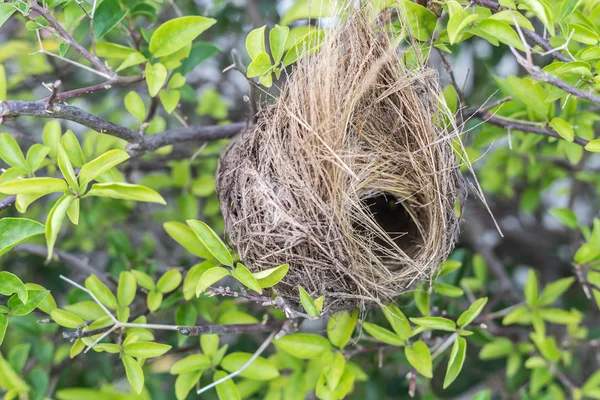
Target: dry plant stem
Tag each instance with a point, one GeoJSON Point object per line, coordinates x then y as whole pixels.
{"type": "Point", "coordinates": [120, 80]}
{"type": "Point", "coordinates": [256, 354]}
{"type": "Point", "coordinates": [95, 61]}
{"type": "Point", "coordinates": [534, 37]}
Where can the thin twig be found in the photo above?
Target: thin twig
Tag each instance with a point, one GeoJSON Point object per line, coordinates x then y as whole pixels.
{"type": "Point", "coordinates": [7, 202]}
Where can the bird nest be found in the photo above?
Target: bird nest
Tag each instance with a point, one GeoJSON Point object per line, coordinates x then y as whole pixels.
{"type": "Point", "coordinates": [349, 177]}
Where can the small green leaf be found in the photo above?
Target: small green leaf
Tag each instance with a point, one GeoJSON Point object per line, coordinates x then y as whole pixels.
{"type": "Point", "coordinates": [449, 266]}
{"type": "Point", "coordinates": [303, 345]}
{"type": "Point", "coordinates": [307, 302]}
{"type": "Point", "coordinates": [36, 156]}
{"type": "Point", "coordinates": [458, 22]}
{"type": "Point", "coordinates": [135, 105]}
{"type": "Point", "coordinates": [126, 289]}
{"type": "Point", "coordinates": [531, 288]}
{"type": "Point", "coordinates": [259, 66]}
{"type": "Point", "coordinates": [156, 75]}
{"type": "Point", "coordinates": [554, 290]}
{"type": "Point", "coordinates": [17, 230]}
{"type": "Point", "coordinates": [55, 221]}
{"type": "Point", "coordinates": [143, 279]}
{"type": "Point", "coordinates": [336, 363]}
{"type": "Point", "coordinates": [397, 320]}
{"type": "Point", "coordinates": [66, 319]}
{"type": "Point", "coordinates": [67, 168]}
{"type": "Point", "coordinates": [177, 33]}
{"type": "Point", "coordinates": [35, 298]}
{"type": "Point", "coordinates": [563, 128]}
{"type": "Point", "coordinates": [305, 9]}
{"type": "Point", "coordinates": [177, 81]}
{"type": "Point", "coordinates": [146, 349]}
{"type": "Point", "coordinates": [457, 359]}
{"type": "Point", "coordinates": [51, 136]}
{"type": "Point", "coordinates": [193, 276]}
{"type": "Point", "coordinates": [474, 310]}
{"type": "Point", "coordinates": [210, 277]}
{"type": "Point", "coordinates": [211, 240]}
{"type": "Point", "coordinates": [154, 300]}
{"type": "Point", "coordinates": [260, 369]}
{"type": "Point", "coordinates": [126, 191]}
{"type": "Point", "coordinates": [185, 382]}
{"type": "Point", "coordinates": [500, 32]}
{"type": "Point", "coordinates": [195, 362]}
{"type": "Point", "coordinates": [272, 276]}
{"type": "Point", "coordinates": [185, 236]}
{"type": "Point", "coordinates": [419, 357]}
{"type": "Point", "coordinates": [277, 39]}
{"type": "Point", "coordinates": [107, 17]}
{"type": "Point", "coordinates": [3, 326]}
{"type": "Point", "coordinates": [445, 289]}
{"type": "Point", "coordinates": [439, 323]}
{"type": "Point", "coordinates": [100, 165]}
{"type": "Point", "coordinates": [244, 276]}
{"type": "Point", "coordinates": [134, 372]}
{"type": "Point", "coordinates": [566, 216]}
{"type": "Point", "coordinates": [209, 344]}
{"type": "Point", "coordinates": [307, 44]}
{"type": "Point", "coordinates": [499, 348]}
{"type": "Point", "coordinates": [10, 283]}
{"type": "Point", "coordinates": [255, 42]}
{"type": "Point", "coordinates": [34, 186]}
{"type": "Point", "coordinates": [6, 10]}
{"type": "Point", "coordinates": [593, 146]}
{"type": "Point", "coordinates": [340, 328]}
{"type": "Point", "coordinates": [10, 152]}
{"type": "Point", "coordinates": [169, 99]}
{"type": "Point", "coordinates": [227, 389]}
{"type": "Point", "coordinates": [169, 281]}
{"type": "Point", "coordinates": [72, 148]}
{"type": "Point", "coordinates": [382, 334]}
{"type": "Point", "coordinates": [102, 293]}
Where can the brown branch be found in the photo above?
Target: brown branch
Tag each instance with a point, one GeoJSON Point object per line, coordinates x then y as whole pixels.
{"type": "Point", "coordinates": [95, 61]}
{"type": "Point", "coordinates": [534, 37]}
{"type": "Point", "coordinates": [120, 80]}
{"type": "Point", "coordinates": [233, 328]}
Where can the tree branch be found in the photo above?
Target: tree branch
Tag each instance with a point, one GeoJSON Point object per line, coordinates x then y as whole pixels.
{"type": "Point", "coordinates": [120, 80]}
{"type": "Point", "coordinates": [7, 202]}
{"type": "Point", "coordinates": [534, 37]}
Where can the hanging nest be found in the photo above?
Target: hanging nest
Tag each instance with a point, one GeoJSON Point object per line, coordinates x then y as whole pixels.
{"type": "Point", "coordinates": [349, 177]}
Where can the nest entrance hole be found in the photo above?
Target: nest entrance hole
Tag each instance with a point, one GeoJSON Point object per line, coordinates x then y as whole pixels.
{"type": "Point", "coordinates": [392, 216]}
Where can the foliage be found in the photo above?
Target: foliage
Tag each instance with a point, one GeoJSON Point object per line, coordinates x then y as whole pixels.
{"type": "Point", "coordinates": [125, 166]}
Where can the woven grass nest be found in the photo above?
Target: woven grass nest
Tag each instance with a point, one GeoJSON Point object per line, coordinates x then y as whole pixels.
{"type": "Point", "coordinates": [349, 176]}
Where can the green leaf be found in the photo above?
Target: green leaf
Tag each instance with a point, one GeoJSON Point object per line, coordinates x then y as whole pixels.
{"type": "Point", "coordinates": [195, 362]}
{"type": "Point", "coordinates": [135, 105]}
{"type": "Point", "coordinates": [335, 365]}
{"type": "Point", "coordinates": [3, 326]}
{"type": "Point", "coordinates": [559, 316]}
{"type": "Point", "coordinates": [134, 58]}
{"type": "Point", "coordinates": [126, 191]}
{"type": "Point", "coordinates": [506, 16]}
{"type": "Point", "coordinates": [35, 298]}
{"type": "Point", "coordinates": [3, 83]}
{"type": "Point", "coordinates": [227, 389]}
{"type": "Point", "coordinates": [72, 147]}
{"type": "Point", "coordinates": [255, 42]}
{"type": "Point", "coordinates": [185, 236]}
{"type": "Point", "coordinates": [458, 22]}
{"type": "Point", "coordinates": [126, 289]}
{"type": "Point", "coordinates": [34, 186]}
{"type": "Point", "coordinates": [474, 310]}
{"type": "Point", "coordinates": [244, 276]}
{"type": "Point", "coordinates": [156, 75]}
{"type": "Point", "coordinates": [382, 334]}
{"type": "Point", "coordinates": [260, 369]}
{"type": "Point", "coordinates": [422, 298]}
{"type": "Point", "coordinates": [107, 17]}
{"type": "Point", "coordinates": [177, 33]}
{"type": "Point", "coordinates": [177, 81]}
{"type": "Point", "coordinates": [212, 242]}
{"type": "Point", "coordinates": [543, 10]}
{"type": "Point", "coordinates": [6, 10]}
{"type": "Point", "coordinates": [272, 276]}
{"type": "Point", "coordinates": [51, 136]}
{"type": "Point", "coordinates": [449, 266]}
{"type": "Point", "coordinates": [185, 382]}
{"type": "Point", "coordinates": [531, 288]}
{"type": "Point", "coordinates": [307, 302]}
{"type": "Point", "coordinates": [307, 9]}
{"type": "Point", "coordinates": [303, 345]}
{"type": "Point", "coordinates": [134, 372]}
{"type": "Point", "coordinates": [36, 156]}
{"type": "Point", "coordinates": [14, 231]}
{"type": "Point", "coordinates": [307, 44]}
{"type": "Point", "coordinates": [169, 99]}
{"type": "Point", "coordinates": [146, 349]}
{"type": "Point", "coordinates": [169, 281]}
{"type": "Point", "coordinates": [419, 357]}
{"type": "Point", "coordinates": [102, 293]}
{"type": "Point", "coordinates": [143, 279]}
{"type": "Point", "coordinates": [10, 152]}
{"type": "Point", "coordinates": [593, 146]}
{"type": "Point", "coordinates": [259, 66]}
{"type": "Point", "coordinates": [67, 168]}
{"type": "Point", "coordinates": [439, 323]}
{"type": "Point", "coordinates": [593, 382]}
{"type": "Point", "coordinates": [340, 328]}
{"type": "Point", "coordinates": [10, 283]}
{"type": "Point", "coordinates": [210, 277]}
{"type": "Point", "coordinates": [566, 216]}
{"type": "Point", "coordinates": [448, 290]}
{"type": "Point", "coordinates": [100, 165]}
{"type": "Point", "coordinates": [499, 348]}
{"type": "Point", "coordinates": [277, 39]}
{"type": "Point", "coordinates": [113, 50]}
{"type": "Point", "coordinates": [154, 300]}
{"type": "Point", "coordinates": [397, 320]}
{"type": "Point", "coordinates": [498, 31]}
{"type": "Point", "coordinates": [457, 358]}
{"type": "Point", "coordinates": [66, 319]}
{"type": "Point", "coordinates": [209, 344]}
{"type": "Point", "coordinates": [554, 290]}
{"type": "Point", "coordinates": [55, 221]}
{"type": "Point", "coordinates": [563, 128]}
